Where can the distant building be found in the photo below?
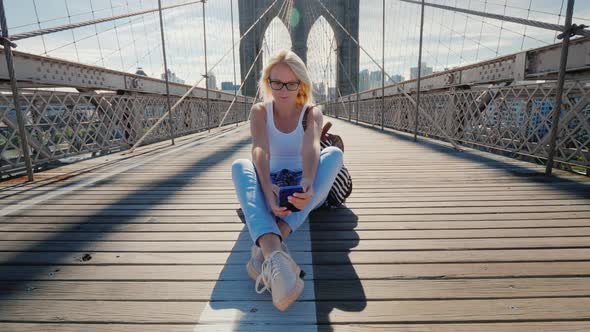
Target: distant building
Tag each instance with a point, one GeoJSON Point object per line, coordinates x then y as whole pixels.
{"type": "Point", "coordinates": [172, 77]}
{"type": "Point", "coordinates": [211, 81]}
{"type": "Point", "coordinates": [375, 79]}
{"type": "Point", "coordinates": [140, 72]}
{"type": "Point", "coordinates": [364, 80]}
{"type": "Point", "coordinates": [332, 93]}
{"type": "Point", "coordinates": [395, 79]}
{"type": "Point", "coordinates": [425, 70]}
{"type": "Point", "coordinates": [229, 87]}
{"type": "Point", "coordinates": [319, 92]}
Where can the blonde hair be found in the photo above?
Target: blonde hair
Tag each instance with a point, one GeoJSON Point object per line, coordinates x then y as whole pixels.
{"type": "Point", "coordinates": [289, 58]}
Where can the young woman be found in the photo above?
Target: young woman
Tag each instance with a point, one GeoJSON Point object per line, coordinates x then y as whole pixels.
{"type": "Point", "coordinates": [282, 148]}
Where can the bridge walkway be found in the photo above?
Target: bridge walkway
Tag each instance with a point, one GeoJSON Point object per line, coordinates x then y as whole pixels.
{"type": "Point", "coordinates": [431, 240]}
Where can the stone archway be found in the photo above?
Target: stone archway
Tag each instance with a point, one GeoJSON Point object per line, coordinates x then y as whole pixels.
{"type": "Point", "coordinates": [307, 11]}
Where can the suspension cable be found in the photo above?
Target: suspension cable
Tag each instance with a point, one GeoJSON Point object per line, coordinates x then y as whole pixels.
{"type": "Point", "coordinates": [199, 81]}
{"type": "Point", "coordinates": [538, 24]}
{"type": "Point", "coordinates": [40, 32]}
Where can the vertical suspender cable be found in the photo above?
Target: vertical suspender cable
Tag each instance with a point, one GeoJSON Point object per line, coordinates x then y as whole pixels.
{"type": "Point", "coordinates": [206, 71]}
{"type": "Point", "coordinates": [383, 71]}
{"type": "Point", "coordinates": [419, 72]}
{"type": "Point", "coordinates": [19, 116]}
{"type": "Point", "coordinates": [567, 31]}
{"type": "Point", "coordinates": [170, 122]}
{"type": "Point", "coordinates": [231, 6]}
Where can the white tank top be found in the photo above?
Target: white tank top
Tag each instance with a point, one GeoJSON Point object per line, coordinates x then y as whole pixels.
{"type": "Point", "coordinates": [285, 149]}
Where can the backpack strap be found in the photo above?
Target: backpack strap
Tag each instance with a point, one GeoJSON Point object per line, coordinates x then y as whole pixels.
{"type": "Point", "coordinates": [327, 126]}
{"type": "Point", "coordinates": [324, 134]}
{"type": "Point", "coordinates": [304, 122]}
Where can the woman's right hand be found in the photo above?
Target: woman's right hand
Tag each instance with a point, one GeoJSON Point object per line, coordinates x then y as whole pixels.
{"type": "Point", "coordinates": [271, 200]}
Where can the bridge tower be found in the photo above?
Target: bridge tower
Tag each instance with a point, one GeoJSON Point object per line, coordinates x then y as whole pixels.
{"type": "Point", "coordinates": [305, 13]}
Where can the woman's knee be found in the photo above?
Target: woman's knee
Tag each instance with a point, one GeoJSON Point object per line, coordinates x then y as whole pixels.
{"type": "Point", "coordinates": [333, 155]}
{"type": "Point", "coordinates": [239, 166]}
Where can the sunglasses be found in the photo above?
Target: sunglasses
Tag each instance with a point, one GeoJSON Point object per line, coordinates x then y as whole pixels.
{"type": "Point", "coordinates": [278, 85]}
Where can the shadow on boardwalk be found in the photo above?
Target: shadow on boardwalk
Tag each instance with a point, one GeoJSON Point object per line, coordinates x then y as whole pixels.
{"type": "Point", "coordinates": [233, 296]}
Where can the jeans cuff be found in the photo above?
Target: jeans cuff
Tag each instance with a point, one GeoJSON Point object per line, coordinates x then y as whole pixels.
{"type": "Point", "coordinates": [257, 237]}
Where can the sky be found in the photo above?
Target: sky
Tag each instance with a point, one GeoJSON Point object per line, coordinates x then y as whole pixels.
{"type": "Point", "coordinates": [450, 38]}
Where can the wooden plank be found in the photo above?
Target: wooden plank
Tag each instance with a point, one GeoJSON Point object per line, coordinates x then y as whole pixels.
{"type": "Point", "coordinates": [351, 290]}
{"type": "Point", "coordinates": [163, 211]}
{"type": "Point", "coordinates": [318, 235]}
{"type": "Point", "coordinates": [329, 272]}
{"type": "Point", "coordinates": [453, 311]}
{"type": "Point", "coordinates": [233, 204]}
{"type": "Point", "coordinates": [204, 291]}
{"type": "Point", "coordinates": [151, 312]}
{"type": "Point", "coordinates": [444, 224]}
{"type": "Point", "coordinates": [562, 326]}
{"type": "Point", "coordinates": [57, 244]}
{"type": "Point", "coordinates": [317, 225]}
{"type": "Point", "coordinates": [145, 258]}
{"type": "Point", "coordinates": [301, 257]}
{"type": "Point", "coordinates": [327, 290]}
{"type": "Point", "coordinates": [133, 227]}
{"type": "Point", "coordinates": [230, 198]}
{"type": "Point", "coordinates": [565, 186]}
{"type": "Point", "coordinates": [317, 217]}
{"type": "Point", "coordinates": [409, 182]}
{"type": "Point", "coordinates": [531, 189]}
{"type": "Point", "coordinates": [381, 311]}
{"type": "Point", "coordinates": [190, 327]}
{"type": "Point", "coordinates": [378, 182]}
{"type": "Point", "coordinates": [451, 271]}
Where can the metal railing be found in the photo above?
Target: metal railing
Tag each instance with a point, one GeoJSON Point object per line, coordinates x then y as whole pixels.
{"type": "Point", "coordinates": [63, 124]}
{"type": "Point", "coordinates": [513, 120]}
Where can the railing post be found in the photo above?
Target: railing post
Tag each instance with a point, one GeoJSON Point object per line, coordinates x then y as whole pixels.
{"type": "Point", "coordinates": [170, 123]}
{"type": "Point", "coordinates": [206, 70]}
{"type": "Point", "coordinates": [358, 105]}
{"type": "Point", "coordinates": [349, 105]}
{"type": "Point", "coordinates": [560, 82]}
{"type": "Point", "coordinates": [245, 110]}
{"type": "Point", "coordinates": [374, 111]}
{"type": "Point", "coordinates": [383, 70]}
{"type": "Point", "coordinates": [13, 85]}
{"type": "Point", "coordinates": [419, 73]}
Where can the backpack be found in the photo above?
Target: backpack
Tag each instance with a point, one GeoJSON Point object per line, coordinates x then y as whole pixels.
{"type": "Point", "coordinates": [342, 186]}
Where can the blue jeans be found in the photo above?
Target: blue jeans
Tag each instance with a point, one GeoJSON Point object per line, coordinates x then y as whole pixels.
{"type": "Point", "coordinates": [259, 218]}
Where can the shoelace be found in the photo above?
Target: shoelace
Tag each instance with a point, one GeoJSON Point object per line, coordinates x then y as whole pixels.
{"type": "Point", "coordinates": [283, 246]}
{"type": "Point", "coordinates": [270, 271]}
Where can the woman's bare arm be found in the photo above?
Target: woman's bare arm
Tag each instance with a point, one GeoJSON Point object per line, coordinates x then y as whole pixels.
{"type": "Point", "coordinates": [260, 148]}
{"type": "Point", "coordinates": [310, 152]}
{"type": "Point", "coordinates": [261, 157]}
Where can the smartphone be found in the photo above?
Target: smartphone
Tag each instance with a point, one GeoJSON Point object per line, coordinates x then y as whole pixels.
{"type": "Point", "coordinates": [285, 192]}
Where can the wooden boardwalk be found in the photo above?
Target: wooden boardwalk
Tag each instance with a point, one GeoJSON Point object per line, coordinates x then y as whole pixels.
{"type": "Point", "coordinates": [432, 240]}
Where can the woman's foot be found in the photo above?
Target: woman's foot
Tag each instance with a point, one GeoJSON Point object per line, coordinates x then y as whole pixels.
{"type": "Point", "coordinates": [280, 276]}
{"type": "Point", "coordinates": [254, 265]}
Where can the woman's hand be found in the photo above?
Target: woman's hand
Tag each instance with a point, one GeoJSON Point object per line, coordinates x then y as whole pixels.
{"type": "Point", "coordinates": [300, 200]}
{"type": "Point", "coordinates": [271, 201]}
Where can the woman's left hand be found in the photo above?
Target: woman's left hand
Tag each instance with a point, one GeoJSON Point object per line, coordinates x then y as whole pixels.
{"type": "Point", "coordinates": [300, 200]}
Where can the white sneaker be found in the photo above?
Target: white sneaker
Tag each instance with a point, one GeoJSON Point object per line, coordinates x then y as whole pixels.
{"type": "Point", "coordinates": [254, 265]}
{"type": "Point", "coordinates": [280, 276]}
